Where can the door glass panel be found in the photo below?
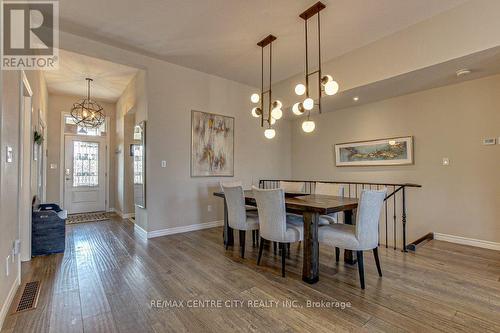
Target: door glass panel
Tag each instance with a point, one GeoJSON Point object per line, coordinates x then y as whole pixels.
{"type": "Point", "coordinates": [70, 127]}
{"type": "Point", "coordinates": [85, 163]}
{"type": "Point", "coordinates": [138, 157]}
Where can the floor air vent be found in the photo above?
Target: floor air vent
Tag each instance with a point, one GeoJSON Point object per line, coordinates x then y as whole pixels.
{"type": "Point", "coordinates": [29, 298]}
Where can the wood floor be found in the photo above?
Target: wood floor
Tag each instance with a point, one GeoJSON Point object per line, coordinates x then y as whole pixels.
{"type": "Point", "coordinates": [109, 275]}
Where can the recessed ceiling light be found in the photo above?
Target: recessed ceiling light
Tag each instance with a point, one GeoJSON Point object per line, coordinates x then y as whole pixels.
{"type": "Point", "coordinates": [356, 99]}
{"type": "Point", "coordinates": [463, 72]}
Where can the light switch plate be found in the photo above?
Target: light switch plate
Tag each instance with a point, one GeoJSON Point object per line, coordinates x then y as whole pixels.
{"type": "Point", "coordinates": [53, 165]}
{"type": "Point", "coordinates": [163, 164]}
{"type": "Point", "coordinates": [446, 161]}
{"type": "Point", "coordinates": [7, 266]}
{"type": "Point", "coordinates": [17, 247]}
{"type": "Point", "coordinates": [9, 154]}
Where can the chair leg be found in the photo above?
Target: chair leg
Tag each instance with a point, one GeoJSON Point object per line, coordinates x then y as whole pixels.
{"type": "Point", "coordinates": [283, 255]}
{"type": "Point", "coordinates": [359, 255]}
{"type": "Point", "coordinates": [253, 238]}
{"type": "Point", "coordinates": [242, 243]}
{"type": "Point", "coordinates": [337, 254]}
{"type": "Point", "coordinates": [274, 247]}
{"type": "Point", "coordinates": [261, 247]}
{"type": "Point", "coordinates": [288, 250]}
{"type": "Point", "coordinates": [377, 261]}
{"type": "Point", "coordinates": [257, 236]}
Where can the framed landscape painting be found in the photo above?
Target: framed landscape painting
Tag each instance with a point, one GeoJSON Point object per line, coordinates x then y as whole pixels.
{"type": "Point", "coordinates": [212, 145]}
{"type": "Point", "coordinates": [392, 151]}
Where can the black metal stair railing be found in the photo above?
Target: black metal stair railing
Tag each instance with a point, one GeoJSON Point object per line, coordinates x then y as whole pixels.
{"type": "Point", "coordinates": [395, 205]}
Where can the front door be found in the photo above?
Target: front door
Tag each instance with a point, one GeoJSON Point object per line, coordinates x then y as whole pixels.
{"type": "Point", "coordinates": [84, 174]}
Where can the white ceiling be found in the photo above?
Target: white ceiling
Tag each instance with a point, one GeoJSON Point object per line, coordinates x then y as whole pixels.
{"type": "Point", "coordinates": [110, 79]}
{"type": "Point", "coordinates": [219, 36]}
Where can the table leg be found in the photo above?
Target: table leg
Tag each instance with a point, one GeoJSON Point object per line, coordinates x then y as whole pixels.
{"type": "Point", "coordinates": [228, 231]}
{"type": "Point", "coordinates": [310, 268]}
{"type": "Point", "coordinates": [348, 254]}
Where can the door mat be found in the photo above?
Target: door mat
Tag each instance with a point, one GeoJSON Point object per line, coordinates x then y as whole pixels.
{"type": "Point", "coordinates": [89, 217]}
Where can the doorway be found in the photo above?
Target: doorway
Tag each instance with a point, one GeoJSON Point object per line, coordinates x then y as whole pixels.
{"type": "Point", "coordinates": [85, 172]}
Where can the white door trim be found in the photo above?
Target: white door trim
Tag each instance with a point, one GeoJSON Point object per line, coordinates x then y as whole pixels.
{"type": "Point", "coordinates": [24, 231]}
{"type": "Point", "coordinates": [62, 159]}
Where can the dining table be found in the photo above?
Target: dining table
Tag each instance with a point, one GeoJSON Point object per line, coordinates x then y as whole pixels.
{"type": "Point", "coordinates": [311, 207]}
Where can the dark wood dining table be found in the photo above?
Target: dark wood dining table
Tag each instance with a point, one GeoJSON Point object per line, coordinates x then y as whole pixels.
{"type": "Point", "coordinates": [311, 207]}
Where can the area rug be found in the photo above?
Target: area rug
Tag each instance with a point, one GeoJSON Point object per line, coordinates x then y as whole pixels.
{"type": "Point", "coordinates": [88, 217]}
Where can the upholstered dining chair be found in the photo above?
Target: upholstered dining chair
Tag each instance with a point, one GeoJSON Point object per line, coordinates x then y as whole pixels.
{"type": "Point", "coordinates": [234, 183]}
{"type": "Point", "coordinates": [362, 236]}
{"type": "Point", "coordinates": [329, 189]}
{"type": "Point", "coordinates": [248, 208]}
{"type": "Point", "coordinates": [292, 186]}
{"type": "Point", "coordinates": [275, 224]}
{"type": "Point", "coordinates": [237, 217]}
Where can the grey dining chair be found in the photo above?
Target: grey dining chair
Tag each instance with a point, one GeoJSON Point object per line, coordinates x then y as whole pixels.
{"type": "Point", "coordinates": [237, 217]}
{"type": "Point", "coordinates": [248, 208]}
{"type": "Point", "coordinates": [362, 236]}
{"type": "Point", "coordinates": [234, 183]}
{"type": "Point", "coordinates": [275, 224]}
{"type": "Point", "coordinates": [329, 189]}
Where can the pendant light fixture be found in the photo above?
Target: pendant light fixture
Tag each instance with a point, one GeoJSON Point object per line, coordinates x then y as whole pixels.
{"type": "Point", "coordinates": [274, 111]}
{"type": "Point", "coordinates": [325, 83]}
{"type": "Point", "coordinates": [88, 113]}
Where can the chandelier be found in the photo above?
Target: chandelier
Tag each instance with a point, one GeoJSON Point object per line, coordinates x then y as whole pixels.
{"type": "Point", "coordinates": [87, 112]}
{"type": "Point", "coordinates": [274, 112]}
{"type": "Point", "coordinates": [325, 83]}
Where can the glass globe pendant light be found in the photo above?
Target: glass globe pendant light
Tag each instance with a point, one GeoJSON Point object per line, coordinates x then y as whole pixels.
{"type": "Point", "coordinates": [325, 83]}
{"type": "Point", "coordinates": [276, 112]}
{"type": "Point", "coordinates": [308, 126]}
{"type": "Point", "coordinates": [255, 98]}
{"type": "Point", "coordinates": [273, 111]}
{"type": "Point", "coordinates": [270, 133]}
{"type": "Point", "coordinates": [300, 89]}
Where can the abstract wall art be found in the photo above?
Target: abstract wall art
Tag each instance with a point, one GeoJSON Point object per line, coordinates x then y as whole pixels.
{"type": "Point", "coordinates": [392, 151]}
{"type": "Point", "coordinates": [212, 145]}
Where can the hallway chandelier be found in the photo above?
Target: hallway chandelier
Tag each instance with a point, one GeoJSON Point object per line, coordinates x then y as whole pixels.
{"type": "Point", "coordinates": [325, 83]}
{"type": "Point", "coordinates": [87, 112]}
{"type": "Point", "coordinates": [274, 111]}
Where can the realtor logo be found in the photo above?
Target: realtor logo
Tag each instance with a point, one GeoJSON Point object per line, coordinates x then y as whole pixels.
{"type": "Point", "coordinates": [30, 35]}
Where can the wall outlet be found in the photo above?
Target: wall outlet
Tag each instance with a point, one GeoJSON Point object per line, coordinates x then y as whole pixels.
{"type": "Point", "coordinates": [163, 164]}
{"type": "Point", "coordinates": [7, 266]}
{"type": "Point", "coordinates": [489, 141]}
{"type": "Point", "coordinates": [446, 161]}
{"type": "Point", "coordinates": [209, 208]}
{"type": "Point", "coordinates": [53, 165]}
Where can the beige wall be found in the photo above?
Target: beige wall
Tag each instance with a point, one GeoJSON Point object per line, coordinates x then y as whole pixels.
{"type": "Point", "coordinates": [131, 108]}
{"type": "Point", "coordinates": [461, 199]}
{"type": "Point", "coordinates": [9, 173]}
{"type": "Point", "coordinates": [59, 104]}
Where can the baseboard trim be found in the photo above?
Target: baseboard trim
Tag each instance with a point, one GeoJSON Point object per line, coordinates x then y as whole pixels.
{"type": "Point", "coordinates": [143, 233]}
{"type": "Point", "coordinates": [187, 228]}
{"type": "Point", "coordinates": [124, 216]}
{"type": "Point", "coordinates": [467, 241]}
{"type": "Point", "coordinates": [8, 301]}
